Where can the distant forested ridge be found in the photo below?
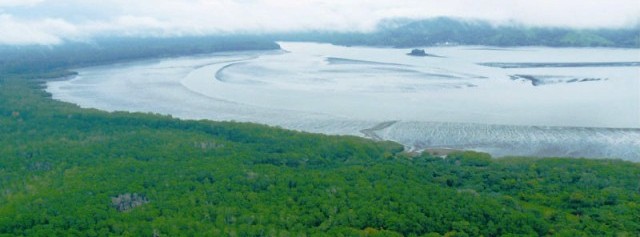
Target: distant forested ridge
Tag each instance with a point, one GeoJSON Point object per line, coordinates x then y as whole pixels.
{"type": "Point", "coordinates": [449, 31]}
{"type": "Point", "coordinates": [55, 59]}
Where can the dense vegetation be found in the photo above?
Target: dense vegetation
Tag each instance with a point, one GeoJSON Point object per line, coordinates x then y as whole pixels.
{"type": "Point", "coordinates": [53, 60]}
{"type": "Point", "coordinates": [438, 31]}
{"type": "Point", "coordinates": [66, 171]}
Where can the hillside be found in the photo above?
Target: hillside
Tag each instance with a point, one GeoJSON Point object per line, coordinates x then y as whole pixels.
{"type": "Point", "coordinates": [406, 33]}
{"type": "Point", "coordinates": [48, 59]}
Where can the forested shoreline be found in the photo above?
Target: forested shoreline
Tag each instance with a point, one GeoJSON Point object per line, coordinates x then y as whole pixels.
{"type": "Point", "coordinates": [68, 171]}
{"type": "Point", "coordinates": [33, 61]}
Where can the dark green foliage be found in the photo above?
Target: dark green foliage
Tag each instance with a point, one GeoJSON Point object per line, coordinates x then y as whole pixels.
{"type": "Point", "coordinates": [62, 168]}
{"type": "Point", "coordinates": [21, 60]}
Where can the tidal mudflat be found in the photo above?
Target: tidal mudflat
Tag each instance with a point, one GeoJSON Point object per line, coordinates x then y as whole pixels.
{"type": "Point", "coordinates": [534, 101]}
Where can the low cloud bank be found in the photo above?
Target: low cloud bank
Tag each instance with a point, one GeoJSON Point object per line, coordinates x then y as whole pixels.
{"type": "Point", "coordinates": [50, 22]}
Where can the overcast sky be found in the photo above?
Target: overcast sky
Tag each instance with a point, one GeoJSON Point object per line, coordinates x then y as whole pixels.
{"type": "Point", "coordinates": [54, 21]}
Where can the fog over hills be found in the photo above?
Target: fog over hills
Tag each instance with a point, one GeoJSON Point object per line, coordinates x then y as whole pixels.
{"type": "Point", "coordinates": [399, 32]}
{"type": "Point", "coordinates": [319, 118]}
{"type": "Point", "coordinates": [49, 22]}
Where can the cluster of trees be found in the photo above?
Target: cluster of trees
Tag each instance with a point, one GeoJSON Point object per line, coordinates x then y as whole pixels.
{"type": "Point", "coordinates": [443, 30]}
{"type": "Point", "coordinates": [63, 169]}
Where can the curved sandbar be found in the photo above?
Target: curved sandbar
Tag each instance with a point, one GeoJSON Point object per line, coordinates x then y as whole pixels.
{"type": "Point", "coordinates": [302, 90]}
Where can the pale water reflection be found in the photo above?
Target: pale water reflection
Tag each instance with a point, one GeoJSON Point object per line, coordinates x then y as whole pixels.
{"type": "Point", "coordinates": [461, 100]}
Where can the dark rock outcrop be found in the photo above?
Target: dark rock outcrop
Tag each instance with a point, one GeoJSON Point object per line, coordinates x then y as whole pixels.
{"type": "Point", "coordinates": [128, 201]}
{"type": "Point", "coordinates": [418, 53]}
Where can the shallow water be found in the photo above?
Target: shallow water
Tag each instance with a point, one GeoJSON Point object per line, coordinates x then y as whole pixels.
{"type": "Point", "coordinates": [446, 102]}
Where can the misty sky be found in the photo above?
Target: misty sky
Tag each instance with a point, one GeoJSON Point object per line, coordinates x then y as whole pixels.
{"type": "Point", "coordinates": [55, 21]}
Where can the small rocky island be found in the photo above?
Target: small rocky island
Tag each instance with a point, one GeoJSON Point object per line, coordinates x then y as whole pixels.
{"type": "Point", "coordinates": [421, 53]}
{"type": "Point", "coordinates": [418, 53]}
